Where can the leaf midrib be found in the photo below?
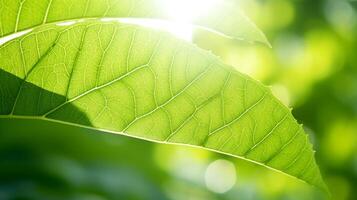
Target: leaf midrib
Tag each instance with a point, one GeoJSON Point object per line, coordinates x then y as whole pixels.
{"type": "Point", "coordinates": [104, 19]}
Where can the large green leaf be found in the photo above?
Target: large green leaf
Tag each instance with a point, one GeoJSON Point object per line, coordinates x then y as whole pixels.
{"type": "Point", "coordinates": [146, 84]}
{"type": "Point", "coordinates": [17, 15]}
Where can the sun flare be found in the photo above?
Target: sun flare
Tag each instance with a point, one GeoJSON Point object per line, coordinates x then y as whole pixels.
{"type": "Point", "coordinates": [181, 13]}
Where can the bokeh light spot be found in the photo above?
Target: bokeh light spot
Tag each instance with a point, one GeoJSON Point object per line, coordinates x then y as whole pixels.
{"type": "Point", "coordinates": [220, 176]}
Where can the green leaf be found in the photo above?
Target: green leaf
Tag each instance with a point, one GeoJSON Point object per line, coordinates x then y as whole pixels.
{"type": "Point", "coordinates": [18, 15]}
{"type": "Point", "coordinates": [147, 84]}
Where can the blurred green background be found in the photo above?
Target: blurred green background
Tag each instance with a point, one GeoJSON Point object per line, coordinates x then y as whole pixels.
{"type": "Point", "coordinates": [312, 67]}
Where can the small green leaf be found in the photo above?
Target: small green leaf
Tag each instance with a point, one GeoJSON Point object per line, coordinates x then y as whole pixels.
{"type": "Point", "coordinates": [147, 84]}
{"type": "Point", "coordinates": [18, 15]}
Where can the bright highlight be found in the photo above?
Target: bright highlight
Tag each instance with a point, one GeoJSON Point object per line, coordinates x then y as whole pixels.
{"type": "Point", "coordinates": [186, 11]}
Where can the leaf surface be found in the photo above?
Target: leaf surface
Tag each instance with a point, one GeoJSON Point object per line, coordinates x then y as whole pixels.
{"type": "Point", "coordinates": [18, 15]}
{"type": "Point", "coordinates": [130, 80]}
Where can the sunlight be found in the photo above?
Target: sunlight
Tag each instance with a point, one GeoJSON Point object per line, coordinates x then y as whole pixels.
{"type": "Point", "coordinates": [182, 14]}
{"type": "Point", "coordinates": [185, 11]}
{"type": "Point", "coordinates": [180, 30]}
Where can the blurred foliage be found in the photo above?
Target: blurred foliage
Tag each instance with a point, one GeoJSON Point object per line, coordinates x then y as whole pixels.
{"type": "Point", "coordinates": [311, 67]}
